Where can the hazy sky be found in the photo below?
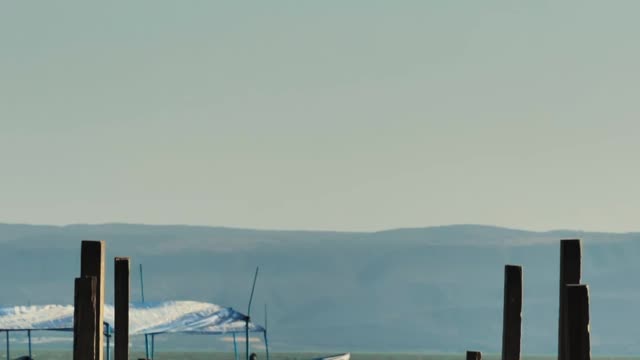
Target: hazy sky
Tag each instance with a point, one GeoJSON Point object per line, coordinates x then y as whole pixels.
{"type": "Point", "coordinates": [343, 115]}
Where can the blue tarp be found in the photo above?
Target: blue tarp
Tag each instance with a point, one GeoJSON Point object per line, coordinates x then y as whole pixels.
{"type": "Point", "coordinates": [144, 318]}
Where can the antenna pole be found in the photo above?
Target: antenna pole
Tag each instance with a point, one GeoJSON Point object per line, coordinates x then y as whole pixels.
{"type": "Point", "coordinates": [141, 285]}
{"type": "Point", "coordinates": [146, 338]}
{"type": "Point", "coordinates": [235, 347]}
{"type": "Point", "coordinates": [246, 336]}
{"type": "Point", "coordinates": [266, 342]}
{"type": "Point", "coordinates": [253, 288]}
{"type": "Point", "coordinates": [246, 325]}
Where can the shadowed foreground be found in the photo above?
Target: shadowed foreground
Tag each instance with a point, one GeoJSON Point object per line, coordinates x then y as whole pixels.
{"type": "Point", "coordinates": [66, 355]}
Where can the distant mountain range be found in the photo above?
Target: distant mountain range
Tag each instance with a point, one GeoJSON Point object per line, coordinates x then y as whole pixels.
{"type": "Point", "coordinates": [436, 289]}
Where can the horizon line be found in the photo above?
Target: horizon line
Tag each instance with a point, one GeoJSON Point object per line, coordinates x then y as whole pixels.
{"type": "Point", "coordinates": [245, 228]}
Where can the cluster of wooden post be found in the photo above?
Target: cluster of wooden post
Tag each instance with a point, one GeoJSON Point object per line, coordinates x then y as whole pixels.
{"type": "Point", "coordinates": [573, 319]}
{"type": "Point", "coordinates": [89, 304]}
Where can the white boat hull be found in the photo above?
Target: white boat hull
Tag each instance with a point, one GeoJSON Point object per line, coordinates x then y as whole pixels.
{"type": "Point", "coordinates": [345, 356]}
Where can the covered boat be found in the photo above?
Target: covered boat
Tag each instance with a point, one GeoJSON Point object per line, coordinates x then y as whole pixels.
{"type": "Point", "coordinates": [149, 318]}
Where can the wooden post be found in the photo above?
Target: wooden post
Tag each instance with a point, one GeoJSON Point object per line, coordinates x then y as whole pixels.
{"type": "Point", "coordinates": [474, 355]}
{"type": "Point", "coordinates": [92, 264]}
{"type": "Point", "coordinates": [121, 308]}
{"type": "Point", "coordinates": [570, 272]}
{"type": "Point", "coordinates": [84, 319]}
{"type": "Point", "coordinates": [512, 313]}
{"type": "Point", "coordinates": [578, 343]}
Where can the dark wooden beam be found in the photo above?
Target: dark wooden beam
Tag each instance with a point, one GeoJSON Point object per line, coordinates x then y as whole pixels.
{"type": "Point", "coordinates": [570, 273]}
{"type": "Point", "coordinates": [474, 355]}
{"type": "Point", "coordinates": [92, 264]}
{"type": "Point", "coordinates": [121, 296]}
{"type": "Point", "coordinates": [512, 312]}
{"type": "Point", "coordinates": [578, 339]}
{"type": "Point", "coordinates": [84, 319]}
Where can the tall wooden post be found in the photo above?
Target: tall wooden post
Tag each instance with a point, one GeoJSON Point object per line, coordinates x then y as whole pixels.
{"type": "Point", "coordinates": [512, 313]}
{"type": "Point", "coordinates": [92, 264]}
{"type": "Point", "coordinates": [474, 355]}
{"type": "Point", "coordinates": [84, 319]}
{"type": "Point", "coordinates": [578, 342]}
{"type": "Point", "coordinates": [121, 307]}
{"type": "Point", "coordinates": [570, 272]}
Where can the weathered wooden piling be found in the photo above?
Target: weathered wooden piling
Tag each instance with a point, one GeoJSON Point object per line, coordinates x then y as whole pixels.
{"type": "Point", "coordinates": [84, 319]}
{"type": "Point", "coordinates": [474, 355]}
{"type": "Point", "coordinates": [512, 312]}
{"type": "Point", "coordinates": [92, 264]}
{"type": "Point", "coordinates": [570, 273]}
{"type": "Point", "coordinates": [122, 287]}
{"type": "Point", "coordinates": [578, 341]}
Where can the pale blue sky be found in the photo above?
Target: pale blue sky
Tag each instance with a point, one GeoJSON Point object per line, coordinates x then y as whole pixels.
{"type": "Point", "coordinates": [360, 115]}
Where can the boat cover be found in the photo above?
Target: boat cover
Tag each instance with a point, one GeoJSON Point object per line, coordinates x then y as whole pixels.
{"type": "Point", "coordinates": [144, 318]}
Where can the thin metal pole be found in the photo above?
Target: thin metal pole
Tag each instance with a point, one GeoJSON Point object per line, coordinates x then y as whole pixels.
{"type": "Point", "coordinates": [141, 285]}
{"type": "Point", "coordinates": [253, 288]}
{"type": "Point", "coordinates": [108, 344]}
{"type": "Point", "coordinates": [153, 345]}
{"type": "Point", "coordinates": [29, 335]}
{"type": "Point", "coordinates": [8, 352]}
{"type": "Point", "coordinates": [266, 343]}
{"type": "Point", "coordinates": [246, 334]}
{"type": "Point", "coordinates": [235, 347]}
{"type": "Point", "coordinates": [146, 339]}
{"type": "Point", "coordinates": [266, 326]}
{"type": "Point", "coordinates": [146, 346]}
{"type": "Point", "coordinates": [246, 326]}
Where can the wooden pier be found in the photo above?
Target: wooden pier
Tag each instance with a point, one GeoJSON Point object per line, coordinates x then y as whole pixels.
{"type": "Point", "coordinates": [89, 304]}
{"type": "Point", "coordinates": [573, 310]}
